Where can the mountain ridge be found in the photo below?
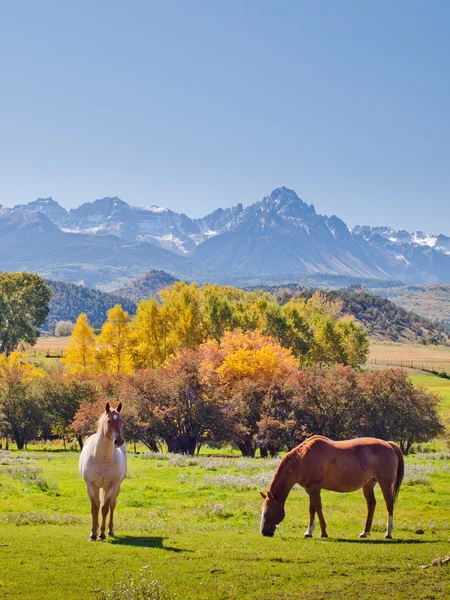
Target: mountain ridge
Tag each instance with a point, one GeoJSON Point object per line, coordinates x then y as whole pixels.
{"type": "Point", "coordinates": [278, 234]}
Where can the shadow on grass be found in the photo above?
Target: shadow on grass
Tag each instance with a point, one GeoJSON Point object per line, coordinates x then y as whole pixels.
{"type": "Point", "coordinates": [145, 542]}
{"type": "Point", "coordinates": [394, 541]}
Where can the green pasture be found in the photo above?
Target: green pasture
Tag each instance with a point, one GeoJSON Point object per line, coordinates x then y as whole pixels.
{"type": "Point", "coordinates": [435, 384]}
{"type": "Point", "coordinates": [192, 524]}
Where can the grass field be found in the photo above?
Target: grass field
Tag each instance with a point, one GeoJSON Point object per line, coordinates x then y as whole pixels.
{"type": "Point", "coordinates": [406, 355]}
{"type": "Point", "coordinates": [194, 523]}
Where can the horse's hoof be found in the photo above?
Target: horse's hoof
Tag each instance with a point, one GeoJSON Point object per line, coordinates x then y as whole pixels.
{"type": "Point", "coordinates": [364, 535]}
{"type": "Point", "coordinates": [324, 535]}
{"type": "Point", "coordinates": [111, 533]}
{"type": "Point", "coordinates": [307, 535]}
{"type": "Point", "coordinates": [92, 538]}
{"type": "Point", "coordinates": [388, 537]}
{"type": "Point", "coordinates": [102, 537]}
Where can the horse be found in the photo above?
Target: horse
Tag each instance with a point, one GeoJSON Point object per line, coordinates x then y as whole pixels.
{"type": "Point", "coordinates": [320, 463]}
{"type": "Point", "coordinates": [103, 465]}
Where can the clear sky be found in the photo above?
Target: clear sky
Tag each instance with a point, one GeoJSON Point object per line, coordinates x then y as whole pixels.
{"type": "Point", "coordinates": [197, 104]}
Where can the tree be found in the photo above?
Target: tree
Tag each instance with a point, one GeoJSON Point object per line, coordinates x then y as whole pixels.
{"type": "Point", "coordinates": [392, 408]}
{"type": "Point", "coordinates": [149, 335]}
{"type": "Point", "coordinates": [63, 328]}
{"type": "Point", "coordinates": [24, 306]}
{"type": "Point", "coordinates": [183, 309]}
{"type": "Point", "coordinates": [325, 401]}
{"type": "Point", "coordinates": [254, 374]}
{"type": "Point", "coordinates": [22, 408]}
{"type": "Point", "coordinates": [63, 396]}
{"type": "Point", "coordinates": [114, 343]}
{"type": "Point", "coordinates": [80, 353]}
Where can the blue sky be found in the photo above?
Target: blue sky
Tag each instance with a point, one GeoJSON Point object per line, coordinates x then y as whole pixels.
{"type": "Point", "coordinates": [199, 104]}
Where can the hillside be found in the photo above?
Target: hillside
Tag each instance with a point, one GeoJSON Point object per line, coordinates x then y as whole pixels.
{"type": "Point", "coordinates": [430, 301]}
{"type": "Point", "coordinates": [147, 286]}
{"type": "Point", "coordinates": [383, 319]}
{"type": "Point", "coordinates": [69, 300]}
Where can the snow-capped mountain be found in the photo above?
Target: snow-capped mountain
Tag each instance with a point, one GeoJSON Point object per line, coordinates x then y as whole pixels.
{"type": "Point", "coordinates": [48, 207]}
{"type": "Point", "coordinates": [280, 234]}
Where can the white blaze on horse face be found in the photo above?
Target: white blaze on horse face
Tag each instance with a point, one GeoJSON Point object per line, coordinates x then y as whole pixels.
{"type": "Point", "coordinates": [115, 417]}
{"type": "Point", "coordinates": [262, 520]}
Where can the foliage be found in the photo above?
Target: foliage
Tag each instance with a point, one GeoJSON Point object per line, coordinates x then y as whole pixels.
{"type": "Point", "coordinates": [63, 328]}
{"type": "Point", "coordinates": [22, 410]}
{"type": "Point", "coordinates": [80, 353]}
{"type": "Point", "coordinates": [383, 318]}
{"type": "Point", "coordinates": [113, 354]}
{"type": "Point", "coordinates": [391, 408]}
{"type": "Point", "coordinates": [24, 300]}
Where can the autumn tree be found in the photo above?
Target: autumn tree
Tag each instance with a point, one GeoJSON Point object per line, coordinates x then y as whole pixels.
{"type": "Point", "coordinates": [80, 353]}
{"type": "Point", "coordinates": [254, 373]}
{"type": "Point", "coordinates": [392, 408]}
{"type": "Point", "coordinates": [148, 341]}
{"type": "Point", "coordinates": [22, 408]}
{"type": "Point", "coordinates": [182, 307]}
{"type": "Point", "coordinates": [113, 354]}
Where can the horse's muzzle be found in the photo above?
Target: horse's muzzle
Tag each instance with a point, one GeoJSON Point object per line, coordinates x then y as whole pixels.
{"type": "Point", "coordinates": [119, 443]}
{"type": "Point", "coordinates": [268, 533]}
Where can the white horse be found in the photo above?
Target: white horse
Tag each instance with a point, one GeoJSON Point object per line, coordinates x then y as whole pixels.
{"type": "Point", "coordinates": [103, 465]}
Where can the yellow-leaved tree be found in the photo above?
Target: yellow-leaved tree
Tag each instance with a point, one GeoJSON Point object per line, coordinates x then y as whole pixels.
{"type": "Point", "coordinates": [80, 353]}
{"type": "Point", "coordinates": [183, 310]}
{"type": "Point", "coordinates": [149, 335]}
{"type": "Point", "coordinates": [114, 343]}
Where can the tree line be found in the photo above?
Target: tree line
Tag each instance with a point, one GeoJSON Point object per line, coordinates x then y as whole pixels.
{"type": "Point", "coordinates": [246, 391]}
{"type": "Point", "coordinates": [216, 365]}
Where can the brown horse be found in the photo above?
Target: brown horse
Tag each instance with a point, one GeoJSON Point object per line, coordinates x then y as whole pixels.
{"type": "Point", "coordinates": [320, 463]}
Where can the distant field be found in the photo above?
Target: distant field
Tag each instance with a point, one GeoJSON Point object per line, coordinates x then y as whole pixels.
{"type": "Point", "coordinates": [49, 345]}
{"type": "Point", "coordinates": [405, 355]}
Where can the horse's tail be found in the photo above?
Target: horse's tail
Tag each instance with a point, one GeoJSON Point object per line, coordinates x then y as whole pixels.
{"type": "Point", "coordinates": [400, 469]}
{"type": "Point", "coordinates": [102, 496]}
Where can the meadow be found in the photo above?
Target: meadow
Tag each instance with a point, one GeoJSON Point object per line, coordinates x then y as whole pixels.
{"type": "Point", "coordinates": [188, 527]}
{"type": "Point", "coordinates": [192, 524]}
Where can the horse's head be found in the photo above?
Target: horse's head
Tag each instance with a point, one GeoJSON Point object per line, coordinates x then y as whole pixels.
{"type": "Point", "coordinates": [113, 424]}
{"type": "Point", "coordinates": [272, 514]}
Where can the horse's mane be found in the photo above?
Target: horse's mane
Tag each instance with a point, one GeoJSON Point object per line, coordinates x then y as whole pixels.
{"type": "Point", "coordinates": [297, 454]}
{"type": "Point", "coordinates": [100, 422]}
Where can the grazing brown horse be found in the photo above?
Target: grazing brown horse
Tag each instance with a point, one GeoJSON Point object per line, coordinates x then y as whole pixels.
{"type": "Point", "coordinates": [103, 464]}
{"type": "Point", "coordinates": [320, 463]}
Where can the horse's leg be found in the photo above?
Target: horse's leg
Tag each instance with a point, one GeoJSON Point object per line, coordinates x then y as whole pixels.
{"type": "Point", "coordinates": [371, 503]}
{"type": "Point", "coordinates": [105, 509]}
{"type": "Point", "coordinates": [95, 505]}
{"type": "Point", "coordinates": [312, 512]}
{"type": "Point", "coordinates": [323, 525]}
{"type": "Point", "coordinates": [386, 487]}
{"type": "Point", "coordinates": [315, 505]}
{"type": "Point", "coordinates": [112, 506]}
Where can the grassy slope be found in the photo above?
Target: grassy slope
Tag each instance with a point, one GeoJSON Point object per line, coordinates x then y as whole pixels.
{"type": "Point", "coordinates": [203, 540]}
{"type": "Point", "coordinates": [437, 385]}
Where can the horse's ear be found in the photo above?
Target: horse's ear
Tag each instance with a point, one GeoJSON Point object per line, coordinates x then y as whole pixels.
{"type": "Point", "coordinates": [263, 495]}
{"type": "Point", "coordinates": [107, 407]}
{"type": "Point", "coordinates": [119, 408]}
{"type": "Point", "coordinates": [270, 495]}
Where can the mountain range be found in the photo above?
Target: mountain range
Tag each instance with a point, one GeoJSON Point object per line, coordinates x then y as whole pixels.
{"type": "Point", "coordinates": [108, 242]}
